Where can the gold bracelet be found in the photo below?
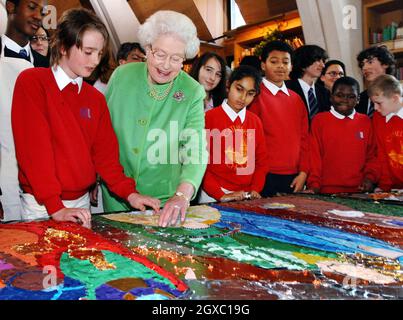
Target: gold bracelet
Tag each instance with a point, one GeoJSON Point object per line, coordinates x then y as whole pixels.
{"type": "Point", "coordinates": [181, 194]}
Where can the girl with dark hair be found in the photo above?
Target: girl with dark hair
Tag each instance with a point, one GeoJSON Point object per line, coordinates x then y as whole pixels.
{"type": "Point", "coordinates": [209, 71]}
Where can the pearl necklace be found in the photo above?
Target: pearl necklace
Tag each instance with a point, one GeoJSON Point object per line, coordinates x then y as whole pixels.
{"type": "Point", "coordinates": [160, 96]}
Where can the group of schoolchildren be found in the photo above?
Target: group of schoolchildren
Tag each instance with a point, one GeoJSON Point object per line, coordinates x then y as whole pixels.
{"type": "Point", "coordinates": [306, 137]}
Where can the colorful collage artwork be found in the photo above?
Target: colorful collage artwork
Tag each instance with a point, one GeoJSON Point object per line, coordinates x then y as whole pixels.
{"type": "Point", "coordinates": [291, 247]}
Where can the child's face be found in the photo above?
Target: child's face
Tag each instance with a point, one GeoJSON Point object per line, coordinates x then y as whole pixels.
{"type": "Point", "coordinates": [27, 16]}
{"type": "Point", "coordinates": [210, 74]}
{"type": "Point", "coordinates": [315, 69]}
{"type": "Point", "coordinates": [344, 99]}
{"type": "Point", "coordinates": [82, 62]}
{"type": "Point", "coordinates": [277, 67]}
{"type": "Point", "coordinates": [385, 105]}
{"type": "Point", "coordinates": [241, 93]}
{"type": "Point", "coordinates": [372, 68]}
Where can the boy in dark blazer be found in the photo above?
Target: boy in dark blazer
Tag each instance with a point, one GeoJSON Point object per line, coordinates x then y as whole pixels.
{"type": "Point", "coordinates": [373, 62]}
{"type": "Point", "coordinates": [308, 63]}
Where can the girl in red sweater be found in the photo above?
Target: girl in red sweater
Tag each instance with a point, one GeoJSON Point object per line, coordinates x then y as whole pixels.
{"type": "Point", "coordinates": [386, 94]}
{"type": "Point", "coordinates": [62, 129]}
{"type": "Point", "coordinates": [342, 145]}
{"type": "Point", "coordinates": [238, 156]}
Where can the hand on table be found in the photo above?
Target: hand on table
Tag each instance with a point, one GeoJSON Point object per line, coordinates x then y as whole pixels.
{"type": "Point", "coordinates": [78, 215]}
{"type": "Point", "coordinates": [139, 201]}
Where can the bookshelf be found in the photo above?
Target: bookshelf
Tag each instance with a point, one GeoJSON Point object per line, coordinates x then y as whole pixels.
{"type": "Point", "coordinates": [383, 25]}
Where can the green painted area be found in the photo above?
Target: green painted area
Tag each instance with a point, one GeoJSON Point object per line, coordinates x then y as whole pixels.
{"type": "Point", "coordinates": [88, 274]}
{"type": "Point", "coordinates": [365, 205]}
{"type": "Point", "coordinates": [257, 251]}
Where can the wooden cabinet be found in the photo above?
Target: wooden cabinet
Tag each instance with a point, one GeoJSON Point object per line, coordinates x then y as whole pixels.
{"type": "Point", "coordinates": [378, 16]}
{"type": "Point", "coordinates": [241, 41]}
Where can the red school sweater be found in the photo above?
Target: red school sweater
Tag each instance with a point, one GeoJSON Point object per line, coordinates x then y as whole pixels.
{"type": "Point", "coordinates": [342, 153]}
{"type": "Point", "coordinates": [285, 125]}
{"type": "Point", "coordinates": [389, 138]}
{"type": "Point", "coordinates": [63, 139]}
{"type": "Point", "coordinates": [241, 164]}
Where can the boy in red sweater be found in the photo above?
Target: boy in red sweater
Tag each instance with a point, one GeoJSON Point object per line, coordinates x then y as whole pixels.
{"type": "Point", "coordinates": [238, 155]}
{"type": "Point", "coordinates": [342, 145]}
{"type": "Point", "coordinates": [285, 123]}
{"type": "Point", "coordinates": [386, 94]}
{"type": "Point", "coordinates": [62, 129]}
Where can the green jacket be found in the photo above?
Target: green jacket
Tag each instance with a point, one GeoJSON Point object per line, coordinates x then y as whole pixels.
{"type": "Point", "coordinates": [161, 143]}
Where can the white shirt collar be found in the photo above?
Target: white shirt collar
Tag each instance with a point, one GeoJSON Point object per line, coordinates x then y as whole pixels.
{"type": "Point", "coordinates": [305, 87]}
{"type": "Point", "coordinates": [62, 79]}
{"type": "Point", "coordinates": [231, 113]}
{"type": "Point", "coordinates": [274, 89]}
{"type": "Point", "coordinates": [398, 114]}
{"type": "Point", "coordinates": [339, 115]}
{"type": "Point", "coordinates": [14, 46]}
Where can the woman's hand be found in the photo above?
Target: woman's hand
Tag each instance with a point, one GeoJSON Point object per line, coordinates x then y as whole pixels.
{"type": "Point", "coordinates": [78, 215]}
{"type": "Point", "coordinates": [175, 206]}
{"type": "Point", "coordinates": [299, 182]}
{"type": "Point", "coordinates": [138, 201]}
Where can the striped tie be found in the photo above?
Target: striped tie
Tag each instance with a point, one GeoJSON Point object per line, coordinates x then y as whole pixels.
{"type": "Point", "coordinates": [313, 104]}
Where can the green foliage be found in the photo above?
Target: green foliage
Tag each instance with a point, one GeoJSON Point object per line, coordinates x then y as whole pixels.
{"type": "Point", "coordinates": [271, 35]}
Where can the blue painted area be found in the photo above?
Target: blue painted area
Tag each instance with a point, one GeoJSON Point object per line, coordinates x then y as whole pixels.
{"type": "Point", "coordinates": [300, 233]}
{"type": "Point", "coordinates": [70, 290]}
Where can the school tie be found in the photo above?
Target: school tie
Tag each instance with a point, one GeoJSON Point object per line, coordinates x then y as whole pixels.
{"type": "Point", "coordinates": [313, 103]}
{"type": "Point", "coordinates": [24, 54]}
{"type": "Point", "coordinates": [371, 109]}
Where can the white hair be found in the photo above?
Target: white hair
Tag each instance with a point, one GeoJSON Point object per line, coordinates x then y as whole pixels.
{"type": "Point", "coordinates": [166, 22]}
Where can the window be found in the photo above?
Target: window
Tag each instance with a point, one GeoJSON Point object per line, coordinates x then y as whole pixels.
{"type": "Point", "coordinates": [236, 19]}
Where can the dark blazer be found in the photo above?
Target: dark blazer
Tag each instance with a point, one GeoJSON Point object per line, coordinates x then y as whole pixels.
{"type": "Point", "coordinates": [362, 106]}
{"type": "Point", "coordinates": [322, 95]}
{"type": "Point", "coordinates": [39, 60]}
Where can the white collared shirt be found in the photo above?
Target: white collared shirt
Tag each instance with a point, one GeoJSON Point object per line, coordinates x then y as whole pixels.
{"type": "Point", "coordinates": [305, 88]}
{"type": "Point", "coordinates": [398, 114]}
{"type": "Point", "coordinates": [231, 113]}
{"type": "Point", "coordinates": [63, 80]}
{"type": "Point", "coordinates": [274, 89]}
{"type": "Point", "coordinates": [14, 46]}
{"type": "Point", "coordinates": [340, 116]}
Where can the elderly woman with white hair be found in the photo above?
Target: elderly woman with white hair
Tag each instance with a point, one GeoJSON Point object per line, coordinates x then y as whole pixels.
{"type": "Point", "coordinates": [157, 113]}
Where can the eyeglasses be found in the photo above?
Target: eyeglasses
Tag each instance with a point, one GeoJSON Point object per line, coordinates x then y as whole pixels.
{"type": "Point", "coordinates": [41, 38]}
{"type": "Point", "coordinates": [334, 74]}
{"type": "Point", "coordinates": [345, 96]}
{"type": "Point", "coordinates": [161, 56]}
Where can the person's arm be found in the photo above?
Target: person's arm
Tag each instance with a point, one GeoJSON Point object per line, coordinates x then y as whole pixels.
{"type": "Point", "coordinates": [299, 182]}
{"type": "Point", "coordinates": [315, 147]}
{"type": "Point", "coordinates": [211, 186]}
{"type": "Point", "coordinates": [261, 160]}
{"type": "Point", "coordinates": [193, 159]}
{"type": "Point", "coordinates": [33, 140]}
{"type": "Point", "coordinates": [105, 153]}
{"type": "Point", "coordinates": [372, 168]}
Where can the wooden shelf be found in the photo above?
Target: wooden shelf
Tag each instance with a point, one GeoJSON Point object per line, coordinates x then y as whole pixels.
{"type": "Point", "coordinates": [377, 14]}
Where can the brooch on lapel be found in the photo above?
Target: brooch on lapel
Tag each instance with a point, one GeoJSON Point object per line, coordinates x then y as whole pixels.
{"type": "Point", "coordinates": [179, 96]}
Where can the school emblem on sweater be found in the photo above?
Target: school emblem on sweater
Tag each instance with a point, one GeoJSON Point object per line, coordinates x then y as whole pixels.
{"type": "Point", "coordinates": [237, 156]}
{"type": "Point", "coordinates": [179, 96]}
{"type": "Point", "coordinates": [85, 113]}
